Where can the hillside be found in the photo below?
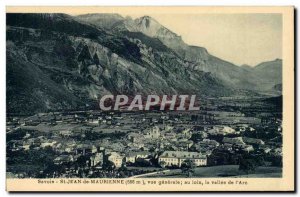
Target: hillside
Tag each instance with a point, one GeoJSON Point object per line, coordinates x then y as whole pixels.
{"type": "Point", "coordinates": [56, 62]}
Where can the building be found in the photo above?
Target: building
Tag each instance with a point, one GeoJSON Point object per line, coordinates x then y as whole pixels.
{"type": "Point", "coordinates": [133, 137]}
{"type": "Point", "coordinates": [97, 159]}
{"type": "Point", "coordinates": [176, 158]}
{"type": "Point", "coordinates": [186, 133]}
{"type": "Point", "coordinates": [208, 142]}
{"type": "Point", "coordinates": [221, 130]}
{"type": "Point", "coordinates": [85, 149]}
{"type": "Point", "coordinates": [183, 144]}
{"type": "Point", "coordinates": [170, 136]}
{"type": "Point", "coordinates": [248, 148]}
{"type": "Point", "coordinates": [153, 133]}
{"type": "Point", "coordinates": [235, 141]}
{"type": "Point", "coordinates": [63, 159]}
{"type": "Point", "coordinates": [48, 143]}
{"type": "Point", "coordinates": [116, 158]}
{"type": "Point", "coordinates": [65, 133]}
{"type": "Point", "coordinates": [253, 141]}
{"type": "Point", "coordinates": [131, 157]}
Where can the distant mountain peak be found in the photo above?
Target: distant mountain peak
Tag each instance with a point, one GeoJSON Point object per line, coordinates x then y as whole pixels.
{"type": "Point", "coordinates": [103, 20]}
{"type": "Point", "coordinates": [102, 15]}
{"type": "Point", "coordinates": [146, 20]}
{"type": "Point", "coordinates": [275, 62]}
{"type": "Point", "coordinates": [246, 66]}
{"type": "Point", "coordinates": [152, 28]}
{"type": "Point", "coordinates": [278, 59]}
{"type": "Point", "coordinates": [55, 16]}
{"type": "Point", "coordinates": [146, 17]}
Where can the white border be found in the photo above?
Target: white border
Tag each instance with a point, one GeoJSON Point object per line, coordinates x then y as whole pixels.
{"type": "Point", "coordinates": [4, 3]}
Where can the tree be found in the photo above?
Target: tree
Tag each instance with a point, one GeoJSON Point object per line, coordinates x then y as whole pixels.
{"type": "Point", "coordinates": [188, 166]}
{"type": "Point", "coordinates": [108, 165]}
{"type": "Point", "coordinates": [196, 137]}
{"type": "Point", "coordinates": [82, 161]}
{"type": "Point", "coordinates": [122, 168]}
{"type": "Point", "coordinates": [162, 164]}
{"type": "Point", "coordinates": [142, 162]}
{"type": "Point", "coordinates": [247, 164]}
{"type": "Point", "coordinates": [276, 161]}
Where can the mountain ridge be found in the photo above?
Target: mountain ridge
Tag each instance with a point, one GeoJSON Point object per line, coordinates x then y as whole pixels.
{"type": "Point", "coordinates": [81, 62]}
{"type": "Point", "coordinates": [80, 67]}
{"type": "Point", "coordinates": [201, 60]}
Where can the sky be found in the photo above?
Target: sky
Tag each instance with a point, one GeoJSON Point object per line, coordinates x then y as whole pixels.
{"type": "Point", "coordinates": [238, 38]}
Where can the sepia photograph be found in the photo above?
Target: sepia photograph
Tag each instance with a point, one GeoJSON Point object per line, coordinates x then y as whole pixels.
{"type": "Point", "coordinates": [149, 98]}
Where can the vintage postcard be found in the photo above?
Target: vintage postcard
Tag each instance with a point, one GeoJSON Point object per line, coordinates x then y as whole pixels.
{"type": "Point", "coordinates": [150, 99]}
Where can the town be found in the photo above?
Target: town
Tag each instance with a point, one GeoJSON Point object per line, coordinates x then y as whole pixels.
{"type": "Point", "coordinates": [226, 137]}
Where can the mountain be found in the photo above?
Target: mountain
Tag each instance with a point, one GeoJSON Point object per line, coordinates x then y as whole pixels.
{"type": "Point", "coordinates": [53, 22]}
{"type": "Point", "coordinates": [196, 58]}
{"type": "Point", "coordinates": [60, 62]}
{"type": "Point", "coordinates": [269, 73]}
{"type": "Point", "coordinates": [246, 66]}
{"type": "Point", "coordinates": [106, 21]}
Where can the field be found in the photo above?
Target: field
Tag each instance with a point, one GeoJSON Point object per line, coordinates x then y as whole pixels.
{"type": "Point", "coordinates": [222, 171]}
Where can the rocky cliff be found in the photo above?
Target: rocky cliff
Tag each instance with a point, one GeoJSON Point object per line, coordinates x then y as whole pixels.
{"type": "Point", "coordinates": [58, 62]}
